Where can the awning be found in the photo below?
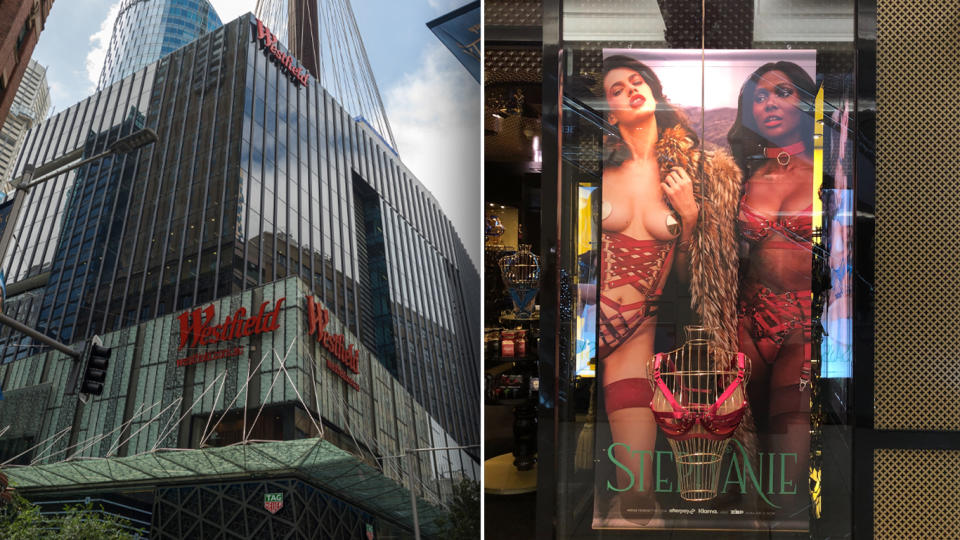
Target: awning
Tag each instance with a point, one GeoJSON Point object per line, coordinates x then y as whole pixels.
{"type": "Point", "coordinates": [330, 468]}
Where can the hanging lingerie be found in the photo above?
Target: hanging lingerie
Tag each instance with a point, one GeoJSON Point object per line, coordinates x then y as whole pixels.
{"type": "Point", "coordinates": [640, 264]}
{"type": "Point", "coordinates": [795, 232]}
{"type": "Point", "coordinates": [678, 424]}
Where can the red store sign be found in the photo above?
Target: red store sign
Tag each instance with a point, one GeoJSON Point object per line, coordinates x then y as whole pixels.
{"type": "Point", "coordinates": [317, 319]}
{"type": "Point", "coordinates": [197, 329]}
{"type": "Point", "coordinates": [269, 43]}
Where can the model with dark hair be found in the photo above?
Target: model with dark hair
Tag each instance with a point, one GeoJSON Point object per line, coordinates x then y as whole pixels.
{"type": "Point", "coordinates": [772, 142]}
{"type": "Point", "coordinates": [666, 206]}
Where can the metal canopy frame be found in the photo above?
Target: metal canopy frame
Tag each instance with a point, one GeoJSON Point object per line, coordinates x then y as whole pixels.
{"type": "Point", "coordinates": [318, 461]}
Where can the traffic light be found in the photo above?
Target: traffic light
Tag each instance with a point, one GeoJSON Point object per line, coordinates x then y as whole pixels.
{"type": "Point", "coordinates": [96, 357]}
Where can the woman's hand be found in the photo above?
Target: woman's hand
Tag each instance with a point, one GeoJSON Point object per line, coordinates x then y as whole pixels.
{"type": "Point", "coordinates": [678, 187]}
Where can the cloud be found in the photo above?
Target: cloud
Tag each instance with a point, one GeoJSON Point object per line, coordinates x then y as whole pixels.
{"type": "Point", "coordinates": [99, 43]}
{"type": "Point", "coordinates": [435, 116]}
{"type": "Point", "coordinates": [229, 10]}
{"type": "Point", "coordinates": [58, 93]}
{"type": "Point", "coordinates": [446, 5]}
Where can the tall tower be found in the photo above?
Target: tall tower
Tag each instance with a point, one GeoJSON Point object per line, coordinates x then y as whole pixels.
{"type": "Point", "coordinates": [21, 22]}
{"type": "Point", "coordinates": [304, 25]}
{"type": "Point", "coordinates": [30, 107]}
{"type": "Point", "coordinates": [323, 36]}
{"type": "Point", "coordinates": [147, 30]}
{"type": "Point", "coordinates": [256, 178]}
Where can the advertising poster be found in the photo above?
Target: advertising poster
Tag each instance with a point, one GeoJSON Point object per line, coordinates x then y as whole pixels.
{"type": "Point", "coordinates": [706, 219]}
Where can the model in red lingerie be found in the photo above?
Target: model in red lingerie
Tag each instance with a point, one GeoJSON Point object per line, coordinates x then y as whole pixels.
{"type": "Point", "coordinates": [772, 142]}
{"type": "Point", "coordinates": [655, 221]}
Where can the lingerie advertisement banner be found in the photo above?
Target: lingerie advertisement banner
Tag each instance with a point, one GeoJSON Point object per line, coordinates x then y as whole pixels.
{"type": "Point", "coordinates": [712, 163]}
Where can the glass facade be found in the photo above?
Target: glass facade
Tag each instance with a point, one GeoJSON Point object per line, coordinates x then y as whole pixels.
{"type": "Point", "coordinates": [254, 179]}
{"type": "Point", "coordinates": [324, 36]}
{"type": "Point", "coordinates": [145, 31]}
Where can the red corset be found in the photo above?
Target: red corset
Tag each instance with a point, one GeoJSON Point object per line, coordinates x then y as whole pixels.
{"type": "Point", "coordinates": [678, 423]}
{"type": "Point", "coordinates": [638, 263]}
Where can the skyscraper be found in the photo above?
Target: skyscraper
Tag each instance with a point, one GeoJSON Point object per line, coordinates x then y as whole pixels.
{"type": "Point", "coordinates": [342, 298]}
{"type": "Point", "coordinates": [30, 106]}
{"type": "Point", "coordinates": [21, 22]}
{"type": "Point", "coordinates": [323, 35]}
{"type": "Point", "coordinates": [146, 31]}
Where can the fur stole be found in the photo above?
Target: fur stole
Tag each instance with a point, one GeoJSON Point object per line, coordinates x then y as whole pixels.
{"type": "Point", "coordinates": [713, 248]}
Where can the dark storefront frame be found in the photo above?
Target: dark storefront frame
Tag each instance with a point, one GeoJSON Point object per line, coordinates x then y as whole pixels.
{"type": "Point", "coordinates": [553, 388]}
{"type": "Point", "coordinates": [865, 438]}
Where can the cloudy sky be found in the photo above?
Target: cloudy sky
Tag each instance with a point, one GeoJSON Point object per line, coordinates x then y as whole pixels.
{"type": "Point", "coordinates": [432, 102]}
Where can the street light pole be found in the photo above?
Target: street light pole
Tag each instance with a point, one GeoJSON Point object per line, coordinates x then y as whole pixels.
{"type": "Point", "coordinates": [413, 496]}
{"type": "Point", "coordinates": [409, 452]}
{"type": "Point", "coordinates": [26, 181]}
{"type": "Point", "coordinates": [42, 338]}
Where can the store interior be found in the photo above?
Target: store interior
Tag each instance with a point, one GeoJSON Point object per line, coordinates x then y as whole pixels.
{"type": "Point", "coordinates": [512, 270]}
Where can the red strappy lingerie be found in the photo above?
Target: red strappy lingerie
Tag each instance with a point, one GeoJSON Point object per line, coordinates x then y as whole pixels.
{"type": "Point", "coordinates": [639, 263]}
{"type": "Point", "coordinates": [795, 232]}
{"type": "Point", "coordinates": [775, 315]}
{"type": "Point", "coordinates": [678, 423]}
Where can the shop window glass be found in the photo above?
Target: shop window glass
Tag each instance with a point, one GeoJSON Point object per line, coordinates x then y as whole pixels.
{"type": "Point", "coordinates": [706, 179]}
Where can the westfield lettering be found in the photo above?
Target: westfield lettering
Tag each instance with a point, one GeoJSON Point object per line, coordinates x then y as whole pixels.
{"type": "Point", "coordinates": [317, 319]}
{"type": "Point", "coordinates": [198, 329]}
{"type": "Point", "coordinates": [196, 326]}
{"type": "Point", "coordinates": [269, 43]}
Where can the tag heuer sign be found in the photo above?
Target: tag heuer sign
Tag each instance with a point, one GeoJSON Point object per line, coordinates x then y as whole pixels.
{"type": "Point", "coordinates": [273, 502]}
{"type": "Point", "coordinates": [369, 531]}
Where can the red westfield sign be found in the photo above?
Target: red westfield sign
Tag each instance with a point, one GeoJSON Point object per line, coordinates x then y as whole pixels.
{"type": "Point", "coordinates": [197, 329]}
{"type": "Point", "coordinates": [317, 320]}
{"type": "Point", "coordinates": [269, 43]}
{"type": "Point", "coordinates": [197, 326]}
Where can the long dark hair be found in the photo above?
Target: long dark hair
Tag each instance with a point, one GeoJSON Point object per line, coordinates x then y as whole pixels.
{"type": "Point", "coordinates": [668, 116]}
{"type": "Point", "coordinates": [745, 143]}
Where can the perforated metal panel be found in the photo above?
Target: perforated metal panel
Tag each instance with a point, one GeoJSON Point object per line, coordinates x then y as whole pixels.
{"type": "Point", "coordinates": [513, 65]}
{"type": "Point", "coordinates": [916, 494]}
{"type": "Point", "coordinates": [513, 12]}
{"type": "Point", "coordinates": [917, 354]}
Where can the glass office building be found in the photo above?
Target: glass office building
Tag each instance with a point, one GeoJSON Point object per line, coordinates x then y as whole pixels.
{"type": "Point", "coordinates": [256, 177]}
{"type": "Point", "coordinates": [146, 31]}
